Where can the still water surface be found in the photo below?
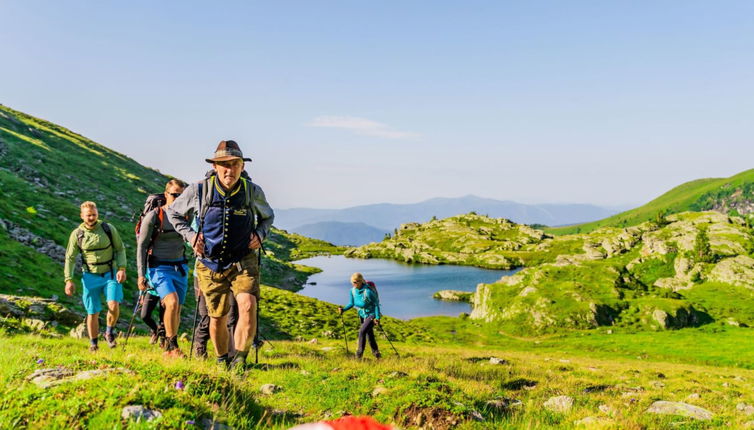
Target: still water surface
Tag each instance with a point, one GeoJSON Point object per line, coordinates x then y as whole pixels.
{"type": "Point", "coordinates": [405, 289]}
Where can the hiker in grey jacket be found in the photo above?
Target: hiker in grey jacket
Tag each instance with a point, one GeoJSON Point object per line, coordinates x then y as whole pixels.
{"type": "Point", "coordinates": [161, 264]}
{"type": "Point", "coordinates": [233, 219]}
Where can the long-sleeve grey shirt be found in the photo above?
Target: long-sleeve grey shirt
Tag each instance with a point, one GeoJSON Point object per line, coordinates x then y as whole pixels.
{"type": "Point", "coordinates": [186, 207]}
{"type": "Point", "coordinates": [167, 246]}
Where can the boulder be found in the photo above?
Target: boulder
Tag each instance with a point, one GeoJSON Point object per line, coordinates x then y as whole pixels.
{"type": "Point", "coordinates": [748, 410]}
{"type": "Point", "coordinates": [454, 295]}
{"type": "Point", "coordinates": [79, 332]}
{"type": "Point", "coordinates": [139, 413]}
{"type": "Point", "coordinates": [46, 378]}
{"type": "Point", "coordinates": [681, 409]}
{"type": "Point", "coordinates": [735, 271]}
{"type": "Point", "coordinates": [559, 404]}
{"type": "Point", "coordinates": [379, 390]}
{"type": "Point", "coordinates": [504, 406]}
{"type": "Point", "coordinates": [269, 389]}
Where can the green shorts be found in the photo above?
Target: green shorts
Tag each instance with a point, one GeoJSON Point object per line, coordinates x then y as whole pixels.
{"type": "Point", "coordinates": [216, 286]}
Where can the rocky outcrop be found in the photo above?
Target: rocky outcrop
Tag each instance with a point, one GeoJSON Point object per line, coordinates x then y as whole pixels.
{"type": "Point", "coordinates": [735, 271]}
{"type": "Point", "coordinates": [37, 313]}
{"type": "Point", "coordinates": [454, 296]}
{"type": "Point", "coordinates": [683, 317]}
{"type": "Point", "coordinates": [40, 244]}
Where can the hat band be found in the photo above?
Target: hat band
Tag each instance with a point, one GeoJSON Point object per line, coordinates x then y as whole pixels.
{"type": "Point", "coordinates": [228, 152]}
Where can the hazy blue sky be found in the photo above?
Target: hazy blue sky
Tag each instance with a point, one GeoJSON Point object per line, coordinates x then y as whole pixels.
{"type": "Point", "coordinates": [350, 102]}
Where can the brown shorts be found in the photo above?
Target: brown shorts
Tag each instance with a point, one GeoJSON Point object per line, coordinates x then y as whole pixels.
{"type": "Point", "coordinates": [217, 285]}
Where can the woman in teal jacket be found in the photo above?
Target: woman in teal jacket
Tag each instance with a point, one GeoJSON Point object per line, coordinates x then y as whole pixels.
{"type": "Point", "coordinates": [364, 298]}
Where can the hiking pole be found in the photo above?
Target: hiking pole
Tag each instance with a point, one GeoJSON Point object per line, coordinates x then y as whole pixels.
{"type": "Point", "coordinates": [345, 333]}
{"type": "Point", "coordinates": [193, 327]}
{"type": "Point", "coordinates": [131, 323]}
{"type": "Point", "coordinates": [388, 339]}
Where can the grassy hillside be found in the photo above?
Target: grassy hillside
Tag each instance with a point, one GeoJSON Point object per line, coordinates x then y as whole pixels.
{"type": "Point", "coordinates": [683, 270]}
{"type": "Point", "coordinates": [469, 240]}
{"type": "Point", "coordinates": [46, 171]}
{"type": "Point", "coordinates": [698, 195]}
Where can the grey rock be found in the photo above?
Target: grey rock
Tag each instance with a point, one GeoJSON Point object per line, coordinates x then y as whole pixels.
{"type": "Point", "coordinates": [139, 413]}
{"type": "Point", "coordinates": [46, 378]}
{"type": "Point", "coordinates": [504, 405]}
{"type": "Point", "coordinates": [379, 390]}
{"type": "Point", "coordinates": [476, 416]}
{"type": "Point", "coordinates": [693, 396]}
{"type": "Point", "coordinates": [748, 410]}
{"type": "Point", "coordinates": [269, 389]}
{"type": "Point", "coordinates": [496, 360]}
{"type": "Point", "coordinates": [681, 409]}
{"type": "Point", "coordinates": [454, 295]}
{"type": "Point", "coordinates": [78, 332]}
{"type": "Point", "coordinates": [608, 410]}
{"type": "Point", "coordinates": [35, 324]}
{"type": "Point", "coordinates": [560, 404]}
{"type": "Point", "coordinates": [397, 374]}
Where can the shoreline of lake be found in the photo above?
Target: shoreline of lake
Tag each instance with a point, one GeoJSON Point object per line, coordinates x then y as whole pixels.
{"type": "Point", "coordinates": [406, 290]}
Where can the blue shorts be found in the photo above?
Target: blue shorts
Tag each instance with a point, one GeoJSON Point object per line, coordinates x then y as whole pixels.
{"type": "Point", "coordinates": [168, 279]}
{"type": "Point", "coordinates": [95, 285]}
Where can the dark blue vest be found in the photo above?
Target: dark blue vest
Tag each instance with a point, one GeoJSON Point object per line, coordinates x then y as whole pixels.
{"type": "Point", "coordinates": [228, 225]}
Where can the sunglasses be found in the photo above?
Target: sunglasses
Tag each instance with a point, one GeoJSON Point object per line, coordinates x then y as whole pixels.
{"type": "Point", "coordinates": [176, 195]}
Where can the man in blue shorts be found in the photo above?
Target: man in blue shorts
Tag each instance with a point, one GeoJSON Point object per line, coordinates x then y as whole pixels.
{"type": "Point", "coordinates": [162, 263]}
{"type": "Point", "coordinates": [104, 265]}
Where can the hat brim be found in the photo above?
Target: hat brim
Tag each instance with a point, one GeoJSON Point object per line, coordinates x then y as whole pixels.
{"type": "Point", "coordinates": [225, 158]}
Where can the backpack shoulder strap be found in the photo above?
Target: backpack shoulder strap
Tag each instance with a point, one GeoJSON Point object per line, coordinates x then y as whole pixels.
{"type": "Point", "coordinates": [157, 228]}
{"type": "Point", "coordinates": [108, 232]}
{"type": "Point", "coordinates": [80, 239]}
{"type": "Point", "coordinates": [205, 197]}
{"type": "Point", "coordinates": [249, 201]}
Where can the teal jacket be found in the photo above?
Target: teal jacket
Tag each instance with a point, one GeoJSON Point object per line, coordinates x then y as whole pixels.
{"type": "Point", "coordinates": [366, 300]}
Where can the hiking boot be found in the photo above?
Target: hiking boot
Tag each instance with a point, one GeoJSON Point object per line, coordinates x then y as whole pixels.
{"type": "Point", "coordinates": [153, 340]}
{"type": "Point", "coordinates": [163, 342]}
{"type": "Point", "coordinates": [110, 338]}
{"type": "Point", "coordinates": [200, 352]}
{"type": "Point", "coordinates": [93, 347]}
{"type": "Point", "coordinates": [223, 361]}
{"type": "Point", "coordinates": [238, 363]}
{"type": "Point", "coordinates": [174, 353]}
{"type": "Point", "coordinates": [377, 355]}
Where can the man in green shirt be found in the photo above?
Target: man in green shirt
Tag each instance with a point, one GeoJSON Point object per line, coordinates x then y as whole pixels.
{"type": "Point", "coordinates": [102, 253]}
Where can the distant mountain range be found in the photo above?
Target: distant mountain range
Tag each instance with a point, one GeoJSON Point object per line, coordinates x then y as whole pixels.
{"type": "Point", "coordinates": [368, 223]}
{"type": "Point", "coordinates": [342, 233]}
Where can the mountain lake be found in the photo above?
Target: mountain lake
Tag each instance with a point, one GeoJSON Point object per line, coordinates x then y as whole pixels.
{"type": "Point", "coordinates": [405, 289]}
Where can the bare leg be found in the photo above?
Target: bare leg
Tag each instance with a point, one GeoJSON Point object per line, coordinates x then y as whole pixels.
{"type": "Point", "coordinates": [171, 314]}
{"type": "Point", "coordinates": [247, 321]}
{"type": "Point", "coordinates": [218, 332]}
{"type": "Point", "coordinates": [92, 325]}
{"type": "Point", "coordinates": [113, 312]}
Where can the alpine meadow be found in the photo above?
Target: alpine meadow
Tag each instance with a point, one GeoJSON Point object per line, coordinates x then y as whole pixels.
{"type": "Point", "coordinates": [641, 320]}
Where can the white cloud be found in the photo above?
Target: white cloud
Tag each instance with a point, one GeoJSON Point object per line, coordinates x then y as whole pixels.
{"type": "Point", "coordinates": [361, 126]}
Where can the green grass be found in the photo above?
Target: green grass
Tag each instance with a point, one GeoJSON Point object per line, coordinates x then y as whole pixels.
{"type": "Point", "coordinates": [316, 384]}
{"type": "Point", "coordinates": [691, 196]}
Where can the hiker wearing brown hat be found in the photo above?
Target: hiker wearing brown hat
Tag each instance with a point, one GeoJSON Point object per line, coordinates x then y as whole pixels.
{"type": "Point", "coordinates": [233, 219]}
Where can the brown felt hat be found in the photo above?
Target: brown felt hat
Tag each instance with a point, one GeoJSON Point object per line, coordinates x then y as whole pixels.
{"type": "Point", "coordinates": [227, 150]}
